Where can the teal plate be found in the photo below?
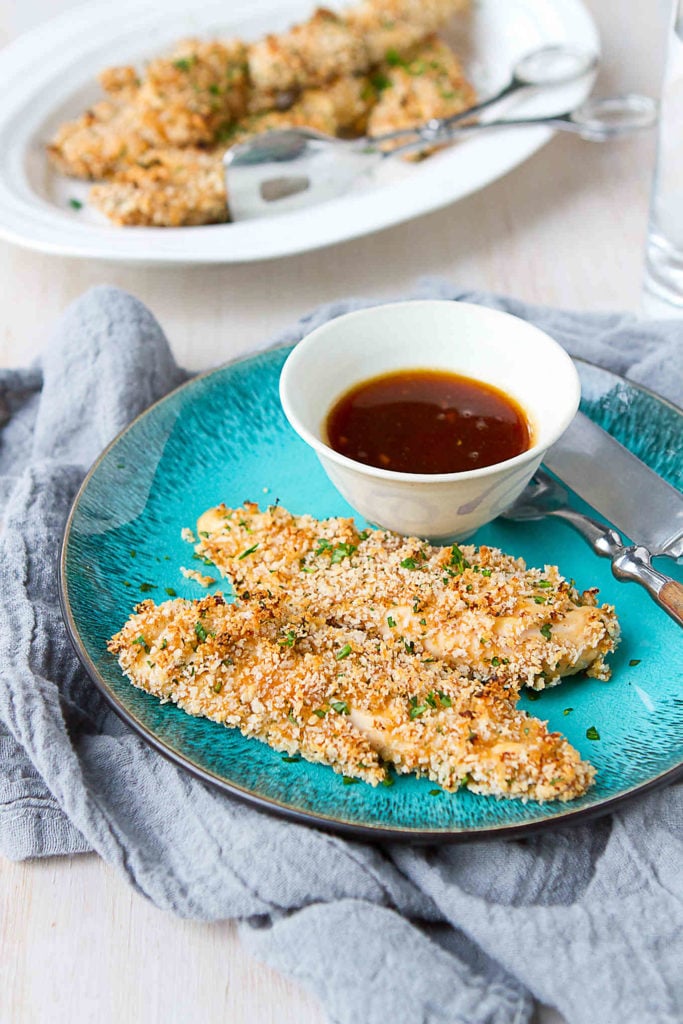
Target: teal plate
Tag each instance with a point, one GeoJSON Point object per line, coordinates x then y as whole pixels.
{"type": "Point", "coordinates": [223, 437]}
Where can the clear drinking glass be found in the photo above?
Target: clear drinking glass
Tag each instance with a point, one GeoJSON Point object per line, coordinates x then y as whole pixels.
{"type": "Point", "coordinates": [663, 287]}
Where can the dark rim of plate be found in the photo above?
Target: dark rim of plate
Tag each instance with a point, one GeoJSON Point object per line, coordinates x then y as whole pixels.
{"type": "Point", "coordinates": [324, 822]}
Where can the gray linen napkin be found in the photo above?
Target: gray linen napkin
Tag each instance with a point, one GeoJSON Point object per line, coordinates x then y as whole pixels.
{"type": "Point", "coordinates": [588, 920]}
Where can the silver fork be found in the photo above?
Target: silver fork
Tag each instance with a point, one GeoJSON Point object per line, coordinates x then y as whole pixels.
{"type": "Point", "coordinates": [543, 496]}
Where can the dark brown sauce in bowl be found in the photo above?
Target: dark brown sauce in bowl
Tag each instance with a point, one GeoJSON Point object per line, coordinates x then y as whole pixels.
{"type": "Point", "coordinates": [427, 421]}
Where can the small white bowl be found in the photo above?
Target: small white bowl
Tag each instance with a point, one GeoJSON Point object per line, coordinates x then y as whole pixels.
{"type": "Point", "coordinates": [470, 340]}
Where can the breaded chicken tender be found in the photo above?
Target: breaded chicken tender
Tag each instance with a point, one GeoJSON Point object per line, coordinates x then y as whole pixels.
{"type": "Point", "coordinates": [329, 45]}
{"type": "Point", "coordinates": [177, 187]}
{"type": "Point", "coordinates": [166, 188]}
{"type": "Point", "coordinates": [343, 697]}
{"type": "Point", "coordinates": [186, 99]}
{"type": "Point", "coordinates": [429, 84]}
{"type": "Point", "coordinates": [480, 610]}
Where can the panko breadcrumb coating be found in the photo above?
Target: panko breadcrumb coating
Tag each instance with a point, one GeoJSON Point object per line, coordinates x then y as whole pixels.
{"type": "Point", "coordinates": [343, 697]}
{"type": "Point", "coordinates": [166, 188]}
{"type": "Point", "coordinates": [362, 649]}
{"type": "Point", "coordinates": [481, 610]}
{"type": "Point", "coordinates": [177, 187]}
{"type": "Point", "coordinates": [429, 84]}
{"type": "Point", "coordinates": [329, 45]}
{"type": "Point", "coordinates": [156, 143]}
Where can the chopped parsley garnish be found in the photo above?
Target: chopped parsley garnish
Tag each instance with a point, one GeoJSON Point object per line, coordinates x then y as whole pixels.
{"type": "Point", "coordinates": [391, 622]}
{"type": "Point", "coordinates": [217, 686]}
{"type": "Point", "coordinates": [146, 587]}
{"type": "Point", "coordinates": [143, 643]}
{"type": "Point", "coordinates": [184, 63]}
{"type": "Point", "coordinates": [388, 780]}
{"type": "Point", "coordinates": [343, 652]}
{"type": "Point", "coordinates": [290, 716]}
{"type": "Point", "coordinates": [226, 132]}
{"type": "Point", "coordinates": [170, 591]}
{"type": "Point", "coordinates": [546, 631]}
{"type": "Point", "coordinates": [204, 561]}
{"type": "Point", "coordinates": [133, 552]}
{"type": "Point", "coordinates": [409, 563]}
{"type": "Point", "coordinates": [363, 535]}
{"type": "Point", "coordinates": [436, 792]}
{"type": "Point", "coordinates": [249, 551]}
{"type": "Point", "coordinates": [486, 572]}
{"type": "Point", "coordinates": [289, 639]}
{"type": "Point", "coordinates": [320, 712]}
{"type": "Point", "coordinates": [567, 711]}
{"type": "Point", "coordinates": [200, 632]}
{"type": "Point", "coordinates": [393, 58]}
{"type": "Point", "coordinates": [204, 533]}
{"type": "Point", "coordinates": [416, 709]}
{"type": "Point", "coordinates": [416, 67]}
{"type": "Point", "coordinates": [75, 204]}
{"type": "Point", "coordinates": [634, 661]}
{"type": "Point", "coordinates": [163, 645]}
{"type": "Point", "coordinates": [340, 706]}
{"type": "Point", "coordinates": [469, 588]}
{"type": "Point", "coordinates": [592, 733]}
{"type": "Point", "coordinates": [538, 599]}
{"type": "Point", "coordinates": [409, 645]}
{"type": "Point", "coordinates": [544, 583]}
{"type": "Point", "coordinates": [431, 699]}
{"type": "Point", "coordinates": [323, 545]}
{"type": "Point", "coordinates": [342, 551]}
{"type": "Point", "coordinates": [423, 622]}
{"type": "Point", "coordinates": [380, 81]}
{"type": "Point", "coordinates": [349, 781]}
{"type": "Point", "coordinates": [290, 760]}
{"type": "Point", "coordinates": [495, 662]}
{"type": "Point", "coordinates": [458, 560]}
{"type": "Point", "coordinates": [446, 701]}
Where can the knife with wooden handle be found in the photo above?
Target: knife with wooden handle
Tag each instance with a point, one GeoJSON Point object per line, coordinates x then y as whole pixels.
{"type": "Point", "coordinates": [632, 497]}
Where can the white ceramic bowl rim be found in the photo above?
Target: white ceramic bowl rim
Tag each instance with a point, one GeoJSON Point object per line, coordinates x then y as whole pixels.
{"type": "Point", "coordinates": [321, 448]}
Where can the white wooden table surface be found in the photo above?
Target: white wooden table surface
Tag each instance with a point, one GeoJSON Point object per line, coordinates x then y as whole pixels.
{"type": "Point", "coordinates": [567, 228]}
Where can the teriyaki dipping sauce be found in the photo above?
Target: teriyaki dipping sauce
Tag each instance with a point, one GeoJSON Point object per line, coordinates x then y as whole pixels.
{"type": "Point", "coordinates": [427, 421]}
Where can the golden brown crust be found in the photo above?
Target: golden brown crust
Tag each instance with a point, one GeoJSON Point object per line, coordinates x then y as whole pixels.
{"type": "Point", "coordinates": [480, 609]}
{"type": "Point", "coordinates": [360, 648]}
{"type": "Point", "coordinates": [343, 697]}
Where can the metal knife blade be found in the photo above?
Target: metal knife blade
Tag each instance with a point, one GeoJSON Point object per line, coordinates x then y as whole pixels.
{"type": "Point", "coordinates": [619, 486]}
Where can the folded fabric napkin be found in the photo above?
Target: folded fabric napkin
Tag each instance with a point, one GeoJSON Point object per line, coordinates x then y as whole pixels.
{"type": "Point", "coordinates": [587, 919]}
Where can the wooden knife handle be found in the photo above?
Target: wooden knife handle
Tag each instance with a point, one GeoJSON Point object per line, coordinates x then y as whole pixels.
{"type": "Point", "coordinates": [671, 599]}
{"type": "Point", "coordinates": [634, 564]}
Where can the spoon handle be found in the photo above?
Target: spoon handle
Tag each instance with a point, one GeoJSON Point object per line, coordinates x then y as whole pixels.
{"type": "Point", "coordinates": [596, 120]}
{"type": "Point", "coordinates": [441, 123]}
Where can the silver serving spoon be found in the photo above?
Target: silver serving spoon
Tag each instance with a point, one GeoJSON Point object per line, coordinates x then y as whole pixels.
{"type": "Point", "coordinates": [544, 496]}
{"type": "Point", "coordinates": [285, 170]}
